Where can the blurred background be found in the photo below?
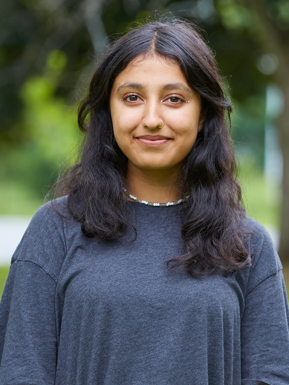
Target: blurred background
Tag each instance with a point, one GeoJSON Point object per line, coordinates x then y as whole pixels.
{"type": "Point", "coordinates": [48, 52]}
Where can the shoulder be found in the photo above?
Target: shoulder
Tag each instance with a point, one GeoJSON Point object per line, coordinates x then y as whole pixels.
{"type": "Point", "coordinates": [258, 237]}
{"type": "Point", "coordinates": [265, 261]}
{"type": "Point", "coordinates": [50, 213]}
{"type": "Point", "coordinates": [258, 233]}
{"type": "Point", "coordinates": [48, 220]}
{"type": "Point", "coordinates": [44, 241]}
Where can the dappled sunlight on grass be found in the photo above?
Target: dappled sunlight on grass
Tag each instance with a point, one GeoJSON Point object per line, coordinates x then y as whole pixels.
{"type": "Point", "coordinates": [16, 199]}
{"type": "Point", "coordinates": [262, 199]}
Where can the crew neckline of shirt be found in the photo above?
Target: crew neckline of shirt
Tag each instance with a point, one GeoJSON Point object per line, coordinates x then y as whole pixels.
{"type": "Point", "coordinates": [144, 205]}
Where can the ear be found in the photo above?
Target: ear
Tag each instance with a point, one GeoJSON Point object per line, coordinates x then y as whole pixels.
{"type": "Point", "coordinates": [201, 123]}
{"type": "Point", "coordinates": [200, 126]}
{"type": "Point", "coordinates": [202, 118]}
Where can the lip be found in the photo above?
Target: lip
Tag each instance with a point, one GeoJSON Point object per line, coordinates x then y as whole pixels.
{"type": "Point", "coordinates": [153, 140]}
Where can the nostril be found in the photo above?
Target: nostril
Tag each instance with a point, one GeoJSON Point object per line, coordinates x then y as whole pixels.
{"type": "Point", "coordinates": [154, 126]}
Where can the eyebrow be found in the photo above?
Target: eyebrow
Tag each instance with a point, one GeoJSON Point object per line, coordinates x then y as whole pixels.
{"type": "Point", "coordinates": [170, 86]}
{"type": "Point", "coordinates": [177, 86]}
{"type": "Point", "coordinates": [136, 86]}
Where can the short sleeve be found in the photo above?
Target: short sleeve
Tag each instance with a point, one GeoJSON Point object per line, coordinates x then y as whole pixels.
{"type": "Point", "coordinates": [265, 333]}
{"type": "Point", "coordinates": [28, 332]}
{"type": "Point", "coordinates": [44, 241]}
{"type": "Point", "coordinates": [28, 343]}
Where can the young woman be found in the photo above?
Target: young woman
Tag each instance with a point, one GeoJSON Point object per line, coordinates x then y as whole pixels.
{"type": "Point", "coordinates": [146, 270]}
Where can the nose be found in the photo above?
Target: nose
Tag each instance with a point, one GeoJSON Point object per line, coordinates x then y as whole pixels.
{"type": "Point", "coordinates": [152, 119]}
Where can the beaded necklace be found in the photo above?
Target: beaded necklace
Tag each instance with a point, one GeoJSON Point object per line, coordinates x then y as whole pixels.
{"type": "Point", "coordinates": [156, 204]}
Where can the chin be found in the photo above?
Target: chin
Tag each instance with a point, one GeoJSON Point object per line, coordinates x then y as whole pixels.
{"type": "Point", "coordinates": [150, 166]}
{"type": "Point", "coordinates": [155, 166]}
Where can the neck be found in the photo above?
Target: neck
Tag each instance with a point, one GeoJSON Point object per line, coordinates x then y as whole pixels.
{"type": "Point", "coordinates": [157, 186]}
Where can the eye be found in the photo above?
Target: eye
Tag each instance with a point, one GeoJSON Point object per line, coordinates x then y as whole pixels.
{"type": "Point", "coordinates": [176, 100]}
{"type": "Point", "coordinates": [131, 98]}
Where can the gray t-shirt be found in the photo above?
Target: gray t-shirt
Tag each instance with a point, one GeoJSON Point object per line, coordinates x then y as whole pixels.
{"type": "Point", "coordinates": [83, 311]}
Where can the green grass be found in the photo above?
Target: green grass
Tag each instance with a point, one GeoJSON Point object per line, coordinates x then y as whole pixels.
{"type": "Point", "coordinates": [3, 276]}
{"type": "Point", "coordinates": [16, 199]}
{"type": "Point", "coordinates": [262, 199]}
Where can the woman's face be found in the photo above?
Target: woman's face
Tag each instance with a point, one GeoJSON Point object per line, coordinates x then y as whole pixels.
{"type": "Point", "coordinates": [146, 93]}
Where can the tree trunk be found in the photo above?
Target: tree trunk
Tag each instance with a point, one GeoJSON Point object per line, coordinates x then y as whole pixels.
{"type": "Point", "coordinates": [283, 126]}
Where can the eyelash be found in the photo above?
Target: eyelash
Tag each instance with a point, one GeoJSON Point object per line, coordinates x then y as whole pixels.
{"type": "Point", "coordinates": [173, 96]}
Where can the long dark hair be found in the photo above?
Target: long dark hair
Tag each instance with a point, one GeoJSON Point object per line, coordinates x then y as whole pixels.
{"type": "Point", "coordinates": [211, 229]}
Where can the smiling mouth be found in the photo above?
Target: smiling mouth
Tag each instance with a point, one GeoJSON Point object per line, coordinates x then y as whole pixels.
{"type": "Point", "coordinates": [153, 141]}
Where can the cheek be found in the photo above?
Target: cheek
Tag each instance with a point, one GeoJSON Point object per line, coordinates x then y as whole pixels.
{"type": "Point", "coordinates": [186, 130]}
{"type": "Point", "coordinates": [124, 118]}
{"type": "Point", "coordinates": [123, 125]}
{"type": "Point", "coordinates": [185, 125]}
{"type": "Point", "coordinates": [183, 119]}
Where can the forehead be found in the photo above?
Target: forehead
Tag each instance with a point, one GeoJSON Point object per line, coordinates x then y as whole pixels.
{"type": "Point", "coordinates": [152, 69]}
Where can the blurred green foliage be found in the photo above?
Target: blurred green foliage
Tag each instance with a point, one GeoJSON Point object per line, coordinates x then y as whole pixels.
{"type": "Point", "coordinates": [48, 55]}
{"type": "Point", "coordinates": [52, 134]}
{"type": "Point", "coordinates": [49, 51]}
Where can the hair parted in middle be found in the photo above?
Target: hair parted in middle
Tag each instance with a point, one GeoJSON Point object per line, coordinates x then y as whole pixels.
{"type": "Point", "coordinates": [212, 218]}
